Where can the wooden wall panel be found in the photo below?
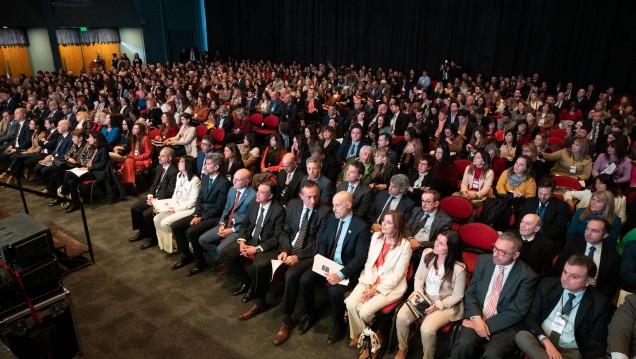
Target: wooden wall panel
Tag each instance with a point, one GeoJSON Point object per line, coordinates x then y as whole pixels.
{"type": "Point", "coordinates": [106, 50]}
{"type": "Point", "coordinates": [77, 57]}
{"type": "Point", "coordinates": [18, 60]}
{"type": "Point", "coordinates": [71, 58]}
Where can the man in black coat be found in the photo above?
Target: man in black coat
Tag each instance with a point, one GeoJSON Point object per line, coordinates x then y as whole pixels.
{"type": "Point", "coordinates": [162, 188]}
{"type": "Point", "coordinates": [289, 180]}
{"type": "Point", "coordinates": [351, 146]}
{"type": "Point", "coordinates": [537, 250]}
{"type": "Point", "coordinates": [345, 240]}
{"type": "Point", "coordinates": [554, 213]}
{"type": "Point", "coordinates": [207, 212]}
{"type": "Point", "coordinates": [607, 280]}
{"type": "Point", "coordinates": [289, 112]}
{"type": "Point", "coordinates": [360, 192]}
{"type": "Point", "coordinates": [567, 318]}
{"type": "Point", "coordinates": [395, 197]}
{"type": "Point", "coordinates": [259, 233]}
{"type": "Point", "coordinates": [422, 180]}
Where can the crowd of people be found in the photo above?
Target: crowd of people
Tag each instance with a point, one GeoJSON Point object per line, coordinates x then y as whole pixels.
{"type": "Point", "coordinates": [353, 169]}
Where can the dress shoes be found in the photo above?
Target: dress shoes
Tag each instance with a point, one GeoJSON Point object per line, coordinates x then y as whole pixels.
{"type": "Point", "coordinates": [195, 270]}
{"type": "Point", "coordinates": [306, 323]}
{"type": "Point", "coordinates": [282, 335]}
{"type": "Point", "coordinates": [147, 244]}
{"type": "Point", "coordinates": [247, 296]}
{"type": "Point", "coordinates": [252, 312]}
{"type": "Point", "coordinates": [54, 202]}
{"type": "Point", "coordinates": [337, 332]}
{"type": "Point", "coordinates": [241, 290]}
{"type": "Point", "coordinates": [183, 261]}
{"type": "Point", "coordinates": [72, 208]}
{"type": "Point", "coordinates": [136, 237]}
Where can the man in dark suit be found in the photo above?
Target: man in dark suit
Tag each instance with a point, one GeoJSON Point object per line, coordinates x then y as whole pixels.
{"type": "Point", "coordinates": [422, 180]}
{"type": "Point", "coordinates": [497, 299]}
{"type": "Point", "coordinates": [326, 187]}
{"type": "Point", "coordinates": [259, 233]}
{"type": "Point", "coordinates": [345, 240]}
{"type": "Point", "coordinates": [289, 112]}
{"type": "Point", "coordinates": [384, 141]}
{"type": "Point", "coordinates": [398, 121]}
{"type": "Point", "coordinates": [238, 199]}
{"type": "Point", "coordinates": [621, 338]}
{"type": "Point", "coordinates": [568, 318]}
{"type": "Point", "coordinates": [276, 108]}
{"type": "Point", "coordinates": [47, 174]}
{"type": "Point", "coordinates": [207, 146]}
{"type": "Point", "coordinates": [289, 179]}
{"type": "Point", "coordinates": [607, 260]}
{"type": "Point", "coordinates": [10, 128]}
{"type": "Point", "coordinates": [351, 146]}
{"type": "Point", "coordinates": [162, 188]}
{"type": "Point", "coordinates": [305, 219]}
{"type": "Point", "coordinates": [67, 113]}
{"type": "Point", "coordinates": [207, 212]}
{"type": "Point", "coordinates": [361, 193]}
{"type": "Point", "coordinates": [597, 133]}
{"type": "Point", "coordinates": [425, 224]}
{"type": "Point", "coordinates": [394, 197]}
{"type": "Point", "coordinates": [554, 213]}
{"type": "Point", "coordinates": [250, 102]}
{"type": "Point", "coordinates": [22, 139]}
{"type": "Point", "coordinates": [54, 111]}
{"type": "Point", "coordinates": [329, 166]}
{"type": "Point", "coordinates": [332, 113]}
{"type": "Point", "coordinates": [537, 250]}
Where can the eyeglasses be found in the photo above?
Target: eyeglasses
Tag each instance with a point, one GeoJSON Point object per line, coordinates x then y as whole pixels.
{"type": "Point", "coordinates": [428, 201]}
{"type": "Point", "coordinates": [496, 250]}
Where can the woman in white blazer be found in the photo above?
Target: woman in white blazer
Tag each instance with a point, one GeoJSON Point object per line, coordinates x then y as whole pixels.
{"type": "Point", "coordinates": [185, 142]}
{"type": "Point", "coordinates": [477, 181]}
{"type": "Point", "coordinates": [185, 196]}
{"type": "Point", "coordinates": [442, 278]}
{"type": "Point", "coordinates": [383, 280]}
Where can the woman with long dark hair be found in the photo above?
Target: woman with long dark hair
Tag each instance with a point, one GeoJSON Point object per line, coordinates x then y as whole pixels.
{"type": "Point", "coordinates": [441, 278]}
{"type": "Point", "coordinates": [444, 171]}
{"type": "Point", "coordinates": [233, 161]}
{"type": "Point", "coordinates": [139, 156]}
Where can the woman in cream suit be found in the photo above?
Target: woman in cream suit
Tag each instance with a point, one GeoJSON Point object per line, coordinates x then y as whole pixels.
{"type": "Point", "coordinates": [383, 280]}
{"type": "Point", "coordinates": [442, 278]}
{"type": "Point", "coordinates": [185, 195]}
{"type": "Point", "coordinates": [185, 142]}
{"type": "Point", "coordinates": [477, 180]}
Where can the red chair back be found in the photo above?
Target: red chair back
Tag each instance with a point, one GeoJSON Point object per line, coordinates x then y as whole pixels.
{"type": "Point", "coordinates": [478, 235]}
{"type": "Point", "coordinates": [457, 207]}
{"type": "Point", "coordinates": [257, 119]}
{"type": "Point", "coordinates": [218, 134]}
{"type": "Point", "coordinates": [202, 130]}
{"type": "Point", "coordinates": [396, 139]}
{"type": "Point", "coordinates": [461, 166]}
{"type": "Point", "coordinates": [271, 121]}
{"type": "Point", "coordinates": [565, 181]}
{"type": "Point", "coordinates": [556, 141]}
{"type": "Point", "coordinates": [154, 133]}
{"type": "Point", "coordinates": [559, 133]}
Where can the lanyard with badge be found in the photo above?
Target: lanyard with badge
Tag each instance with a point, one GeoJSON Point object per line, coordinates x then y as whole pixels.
{"type": "Point", "coordinates": [561, 319]}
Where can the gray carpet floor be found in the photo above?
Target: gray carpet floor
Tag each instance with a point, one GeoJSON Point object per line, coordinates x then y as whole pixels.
{"type": "Point", "coordinates": [130, 304]}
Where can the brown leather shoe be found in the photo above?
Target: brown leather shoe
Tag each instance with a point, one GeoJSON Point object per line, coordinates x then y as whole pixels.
{"type": "Point", "coordinates": [252, 312]}
{"type": "Point", "coordinates": [353, 342]}
{"type": "Point", "coordinates": [282, 335]}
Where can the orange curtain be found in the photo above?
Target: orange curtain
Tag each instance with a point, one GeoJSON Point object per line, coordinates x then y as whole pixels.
{"type": "Point", "coordinates": [15, 61]}
{"type": "Point", "coordinates": [76, 57]}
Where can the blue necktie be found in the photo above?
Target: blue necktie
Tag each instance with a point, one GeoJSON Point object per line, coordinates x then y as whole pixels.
{"type": "Point", "coordinates": [591, 252]}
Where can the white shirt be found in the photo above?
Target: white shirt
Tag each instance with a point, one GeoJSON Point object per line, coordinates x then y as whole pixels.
{"type": "Point", "coordinates": [302, 215]}
{"type": "Point", "coordinates": [596, 258]}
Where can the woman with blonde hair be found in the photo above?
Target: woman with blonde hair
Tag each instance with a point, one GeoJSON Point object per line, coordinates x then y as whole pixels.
{"type": "Point", "coordinates": [383, 279]}
{"type": "Point", "coordinates": [601, 206]}
{"type": "Point", "coordinates": [575, 162]}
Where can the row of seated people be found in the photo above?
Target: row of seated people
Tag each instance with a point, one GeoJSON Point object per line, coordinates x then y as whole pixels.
{"type": "Point", "coordinates": [234, 222]}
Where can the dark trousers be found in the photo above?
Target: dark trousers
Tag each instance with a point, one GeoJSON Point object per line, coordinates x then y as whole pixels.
{"type": "Point", "coordinates": [141, 215]}
{"type": "Point", "coordinates": [70, 184]}
{"type": "Point", "coordinates": [184, 233]}
{"type": "Point", "coordinates": [308, 282]}
{"type": "Point", "coordinates": [19, 161]}
{"type": "Point", "coordinates": [49, 176]}
{"type": "Point", "coordinates": [231, 256]}
{"type": "Point", "coordinates": [501, 344]}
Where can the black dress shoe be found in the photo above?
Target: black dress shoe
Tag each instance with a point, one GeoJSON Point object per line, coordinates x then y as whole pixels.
{"type": "Point", "coordinates": [195, 270]}
{"type": "Point", "coordinates": [147, 244]}
{"type": "Point", "coordinates": [337, 332]}
{"type": "Point", "coordinates": [247, 296]}
{"type": "Point", "coordinates": [72, 208]}
{"type": "Point", "coordinates": [306, 323]}
{"type": "Point", "coordinates": [241, 290]}
{"type": "Point", "coordinates": [137, 237]}
{"type": "Point", "coordinates": [183, 261]}
{"type": "Point", "coordinates": [54, 202]}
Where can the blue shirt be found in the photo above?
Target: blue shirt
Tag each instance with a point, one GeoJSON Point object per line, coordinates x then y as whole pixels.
{"type": "Point", "coordinates": [337, 257]}
{"type": "Point", "coordinates": [567, 339]}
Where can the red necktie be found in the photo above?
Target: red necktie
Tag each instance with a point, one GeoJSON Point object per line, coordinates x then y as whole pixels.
{"type": "Point", "coordinates": [231, 216]}
{"type": "Point", "coordinates": [163, 172]}
{"type": "Point", "coordinates": [491, 307]}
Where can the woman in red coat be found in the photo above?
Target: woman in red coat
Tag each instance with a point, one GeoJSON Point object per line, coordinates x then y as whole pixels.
{"type": "Point", "coordinates": [140, 153]}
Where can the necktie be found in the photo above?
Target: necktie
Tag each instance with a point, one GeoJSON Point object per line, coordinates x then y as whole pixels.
{"type": "Point", "coordinates": [259, 225]}
{"type": "Point", "coordinates": [594, 133]}
{"type": "Point", "coordinates": [301, 233]}
{"type": "Point", "coordinates": [17, 135]}
{"type": "Point", "coordinates": [591, 251]}
{"type": "Point", "coordinates": [210, 182]}
{"type": "Point", "coordinates": [567, 308]}
{"type": "Point", "coordinates": [335, 240]}
{"type": "Point", "coordinates": [289, 177]}
{"type": "Point", "coordinates": [231, 216]}
{"type": "Point", "coordinates": [424, 219]}
{"type": "Point", "coordinates": [352, 150]}
{"type": "Point", "coordinates": [491, 307]}
{"type": "Point", "coordinates": [350, 189]}
{"type": "Point", "coordinates": [418, 183]}
{"type": "Point", "coordinates": [163, 172]}
{"type": "Point", "coordinates": [541, 210]}
{"type": "Point", "coordinates": [387, 206]}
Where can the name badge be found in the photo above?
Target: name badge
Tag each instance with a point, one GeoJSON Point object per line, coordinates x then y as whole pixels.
{"type": "Point", "coordinates": [558, 324]}
{"type": "Point", "coordinates": [572, 169]}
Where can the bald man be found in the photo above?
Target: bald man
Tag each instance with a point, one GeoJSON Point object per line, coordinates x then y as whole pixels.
{"type": "Point", "coordinates": [289, 179]}
{"type": "Point", "coordinates": [345, 240]}
{"type": "Point", "coordinates": [538, 250]}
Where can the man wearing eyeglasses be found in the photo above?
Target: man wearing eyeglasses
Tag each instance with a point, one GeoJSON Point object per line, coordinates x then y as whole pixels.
{"type": "Point", "coordinates": [497, 299]}
{"type": "Point", "coordinates": [607, 261]}
{"type": "Point", "coordinates": [425, 224]}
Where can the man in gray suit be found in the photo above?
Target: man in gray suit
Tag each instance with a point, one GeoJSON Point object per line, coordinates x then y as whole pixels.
{"type": "Point", "coordinates": [361, 193]}
{"type": "Point", "coordinates": [621, 341]}
{"type": "Point", "coordinates": [325, 187]}
{"type": "Point", "coordinates": [425, 224]}
{"type": "Point", "coordinates": [497, 299]}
